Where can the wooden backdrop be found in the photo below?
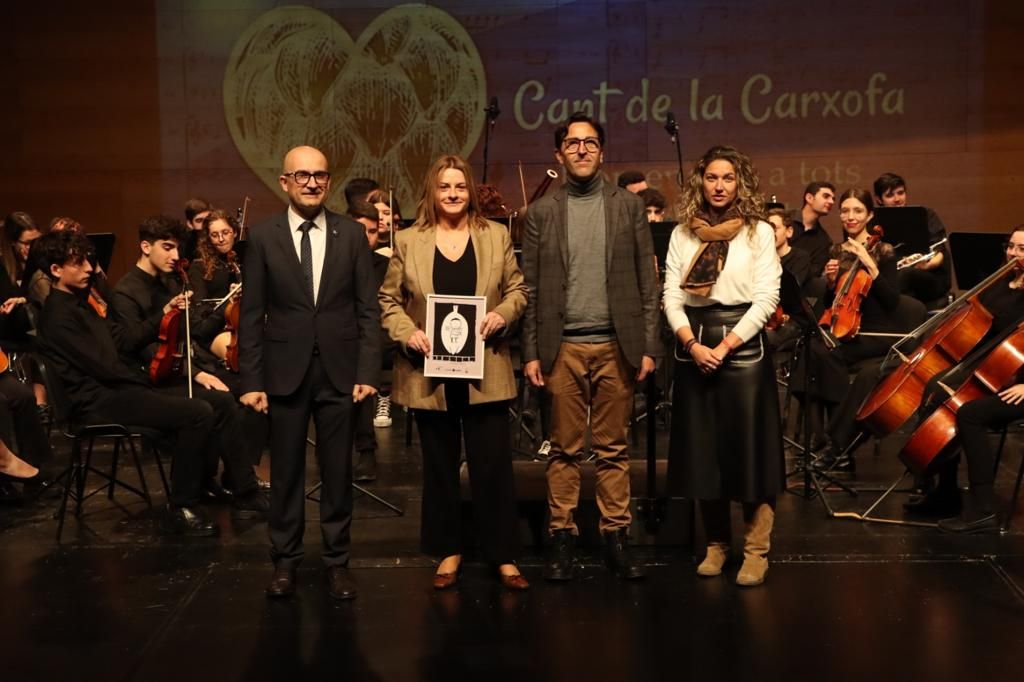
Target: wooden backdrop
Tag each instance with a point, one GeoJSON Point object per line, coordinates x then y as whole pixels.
{"type": "Point", "coordinates": [114, 111]}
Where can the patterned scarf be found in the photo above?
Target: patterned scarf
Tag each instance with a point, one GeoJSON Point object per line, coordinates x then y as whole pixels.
{"type": "Point", "coordinates": [710, 258]}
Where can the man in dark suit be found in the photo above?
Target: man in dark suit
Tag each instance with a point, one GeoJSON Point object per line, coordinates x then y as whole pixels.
{"type": "Point", "coordinates": [309, 342]}
{"type": "Point", "coordinates": [590, 332]}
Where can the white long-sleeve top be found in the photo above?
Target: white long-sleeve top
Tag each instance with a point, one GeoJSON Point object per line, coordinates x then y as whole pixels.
{"type": "Point", "coordinates": [751, 275]}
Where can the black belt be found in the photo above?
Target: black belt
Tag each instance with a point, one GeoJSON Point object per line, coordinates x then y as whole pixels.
{"type": "Point", "coordinates": [603, 331]}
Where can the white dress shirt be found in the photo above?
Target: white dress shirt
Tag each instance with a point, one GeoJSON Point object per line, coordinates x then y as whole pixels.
{"type": "Point", "coordinates": [317, 241]}
{"type": "Point", "coordinates": [751, 275]}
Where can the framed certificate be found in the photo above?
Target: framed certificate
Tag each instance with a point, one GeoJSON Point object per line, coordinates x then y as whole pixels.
{"type": "Point", "coordinates": [453, 329]}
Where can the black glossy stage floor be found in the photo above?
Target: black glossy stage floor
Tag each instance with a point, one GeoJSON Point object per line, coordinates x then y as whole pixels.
{"type": "Point", "coordinates": [843, 601]}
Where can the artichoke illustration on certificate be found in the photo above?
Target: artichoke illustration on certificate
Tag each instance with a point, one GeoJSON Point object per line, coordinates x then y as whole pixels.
{"type": "Point", "coordinates": [453, 328]}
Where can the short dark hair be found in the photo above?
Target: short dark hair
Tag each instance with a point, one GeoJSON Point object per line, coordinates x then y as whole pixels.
{"type": "Point", "coordinates": [630, 177]}
{"type": "Point", "coordinates": [358, 188]}
{"type": "Point", "coordinates": [360, 208]}
{"type": "Point", "coordinates": [577, 117]}
{"type": "Point", "coordinates": [195, 206]}
{"type": "Point", "coordinates": [60, 248]}
{"type": "Point", "coordinates": [787, 217]}
{"type": "Point", "coordinates": [652, 197]}
{"type": "Point", "coordinates": [816, 186]}
{"type": "Point", "coordinates": [158, 227]}
{"type": "Point", "coordinates": [887, 182]}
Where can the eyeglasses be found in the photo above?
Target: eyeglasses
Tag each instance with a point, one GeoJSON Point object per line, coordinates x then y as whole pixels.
{"type": "Point", "coordinates": [303, 177]}
{"type": "Point", "coordinates": [221, 236]}
{"type": "Point", "coordinates": [1016, 248]}
{"type": "Point", "coordinates": [572, 144]}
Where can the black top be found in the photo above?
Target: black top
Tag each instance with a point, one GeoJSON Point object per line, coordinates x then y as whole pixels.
{"type": "Point", "coordinates": [798, 263]}
{"type": "Point", "coordinates": [81, 348]}
{"type": "Point", "coordinates": [455, 278]}
{"type": "Point", "coordinates": [815, 242]}
{"type": "Point", "coordinates": [216, 287]}
{"type": "Point", "coordinates": [936, 233]}
{"type": "Point", "coordinates": [1005, 304]}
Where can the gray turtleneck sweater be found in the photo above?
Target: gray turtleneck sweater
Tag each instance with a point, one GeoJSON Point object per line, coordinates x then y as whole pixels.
{"type": "Point", "coordinates": [587, 316]}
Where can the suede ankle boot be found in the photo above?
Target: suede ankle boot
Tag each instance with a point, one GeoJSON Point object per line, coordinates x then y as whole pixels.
{"type": "Point", "coordinates": [718, 529]}
{"type": "Point", "coordinates": [759, 517]}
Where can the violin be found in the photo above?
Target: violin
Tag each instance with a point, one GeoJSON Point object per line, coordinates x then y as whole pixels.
{"type": "Point", "coordinates": [173, 357]}
{"type": "Point", "coordinates": [844, 317]}
{"type": "Point", "coordinates": [777, 319]}
{"type": "Point", "coordinates": [931, 441]}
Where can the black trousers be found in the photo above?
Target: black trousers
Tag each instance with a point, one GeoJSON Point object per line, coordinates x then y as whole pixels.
{"type": "Point", "coordinates": [252, 435]}
{"type": "Point", "coordinates": [365, 437]}
{"type": "Point", "coordinates": [289, 423]}
{"type": "Point", "coordinates": [489, 458]}
{"type": "Point", "coordinates": [19, 421]}
{"type": "Point", "coordinates": [187, 423]}
{"type": "Point", "coordinates": [973, 421]}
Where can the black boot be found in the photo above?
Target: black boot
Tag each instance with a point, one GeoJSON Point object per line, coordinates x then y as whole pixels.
{"type": "Point", "coordinates": [617, 556]}
{"type": "Point", "coordinates": [979, 514]}
{"type": "Point", "coordinates": [561, 557]}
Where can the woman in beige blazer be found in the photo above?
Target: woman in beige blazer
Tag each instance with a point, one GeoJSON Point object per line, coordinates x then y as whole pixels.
{"type": "Point", "coordinates": [452, 250]}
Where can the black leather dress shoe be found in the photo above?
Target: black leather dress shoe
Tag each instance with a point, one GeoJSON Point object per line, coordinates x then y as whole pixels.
{"type": "Point", "coordinates": [339, 583]}
{"type": "Point", "coordinates": [981, 524]}
{"type": "Point", "coordinates": [282, 583]}
{"type": "Point", "coordinates": [263, 484]}
{"type": "Point", "coordinates": [251, 505]}
{"type": "Point", "coordinates": [214, 492]}
{"type": "Point", "coordinates": [187, 521]}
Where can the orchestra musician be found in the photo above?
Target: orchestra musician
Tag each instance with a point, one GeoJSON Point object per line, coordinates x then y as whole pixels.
{"type": "Point", "coordinates": [830, 383]}
{"type": "Point", "coordinates": [721, 286]}
{"type": "Point", "coordinates": [808, 233]}
{"type": "Point", "coordinates": [590, 333]}
{"type": "Point", "coordinates": [453, 250]}
{"type": "Point", "coordinates": [138, 304]}
{"type": "Point", "coordinates": [80, 347]}
{"type": "Point", "coordinates": [1004, 300]}
{"type": "Point", "coordinates": [309, 346]}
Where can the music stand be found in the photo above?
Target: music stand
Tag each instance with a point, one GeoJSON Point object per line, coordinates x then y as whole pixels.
{"type": "Point", "coordinates": [794, 304]}
{"type": "Point", "coordinates": [976, 255]}
{"type": "Point", "coordinates": [906, 228]}
{"type": "Point", "coordinates": [661, 235]}
{"type": "Point", "coordinates": [103, 245]}
{"type": "Point", "coordinates": [312, 496]}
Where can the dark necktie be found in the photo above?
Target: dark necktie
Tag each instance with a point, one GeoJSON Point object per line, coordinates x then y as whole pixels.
{"type": "Point", "coordinates": [306, 257]}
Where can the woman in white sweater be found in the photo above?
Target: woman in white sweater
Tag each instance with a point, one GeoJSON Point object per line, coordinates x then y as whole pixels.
{"type": "Point", "coordinates": [721, 285]}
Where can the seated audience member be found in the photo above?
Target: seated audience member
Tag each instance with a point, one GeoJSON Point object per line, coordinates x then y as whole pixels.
{"type": "Point", "coordinates": [654, 203]}
{"type": "Point", "coordinates": [808, 233]}
{"type": "Point", "coordinates": [632, 181]}
{"type": "Point", "coordinates": [928, 280]}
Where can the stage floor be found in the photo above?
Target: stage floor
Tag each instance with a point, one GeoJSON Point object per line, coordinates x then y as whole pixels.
{"type": "Point", "coordinates": [843, 601]}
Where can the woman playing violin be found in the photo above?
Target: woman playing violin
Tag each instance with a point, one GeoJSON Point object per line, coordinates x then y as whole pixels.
{"type": "Point", "coordinates": [216, 265]}
{"type": "Point", "coordinates": [831, 370]}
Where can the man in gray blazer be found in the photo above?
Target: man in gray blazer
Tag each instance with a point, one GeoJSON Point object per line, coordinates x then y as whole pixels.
{"type": "Point", "coordinates": [589, 334]}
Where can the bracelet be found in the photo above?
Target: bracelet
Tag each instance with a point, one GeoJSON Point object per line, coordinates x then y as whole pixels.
{"type": "Point", "coordinates": [689, 344]}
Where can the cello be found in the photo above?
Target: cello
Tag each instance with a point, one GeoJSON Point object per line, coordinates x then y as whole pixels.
{"type": "Point", "coordinates": [843, 318]}
{"type": "Point", "coordinates": [933, 437]}
{"type": "Point", "coordinates": [946, 339]}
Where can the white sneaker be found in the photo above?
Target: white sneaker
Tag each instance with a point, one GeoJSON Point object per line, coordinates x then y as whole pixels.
{"type": "Point", "coordinates": [383, 418]}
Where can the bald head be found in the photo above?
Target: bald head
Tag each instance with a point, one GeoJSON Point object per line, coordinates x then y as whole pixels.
{"type": "Point", "coordinates": [306, 180]}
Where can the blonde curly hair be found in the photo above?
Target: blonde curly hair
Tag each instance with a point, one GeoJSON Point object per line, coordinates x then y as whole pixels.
{"type": "Point", "coordinates": [748, 203]}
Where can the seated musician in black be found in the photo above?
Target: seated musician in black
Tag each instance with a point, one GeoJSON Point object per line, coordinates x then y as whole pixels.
{"type": "Point", "coordinates": [930, 279]}
{"type": "Point", "coordinates": [138, 304]}
{"type": "Point", "coordinates": [79, 347]}
{"type": "Point", "coordinates": [830, 371]}
{"type": "Point", "coordinates": [1004, 299]}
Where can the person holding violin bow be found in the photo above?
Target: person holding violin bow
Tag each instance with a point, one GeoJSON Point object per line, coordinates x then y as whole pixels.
{"type": "Point", "coordinates": [140, 305]}
{"type": "Point", "coordinates": [864, 293]}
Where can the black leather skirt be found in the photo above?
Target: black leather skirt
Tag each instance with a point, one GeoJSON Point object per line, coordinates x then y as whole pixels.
{"type": "Point", "coordinates": [726, 439]}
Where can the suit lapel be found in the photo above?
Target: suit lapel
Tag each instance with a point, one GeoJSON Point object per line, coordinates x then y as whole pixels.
{"type": "Point", "coordinates": [610, 206]}
{"type": "Point", "coordinates": [562, 225]}
{"type": "Point", "coordinates": [423, 261]}
{"type": "Point", "coordinates": [283, 235]}
{"type": "Point", "coordinates": [482, 250]}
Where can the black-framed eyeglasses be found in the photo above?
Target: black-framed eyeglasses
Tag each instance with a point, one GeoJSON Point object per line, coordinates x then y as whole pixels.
{"type": "Point", "coordinates": [572, 144]}
{"type": "Point", "coordinates": [1016, 248]}
{"type": "Point", "coordinates": [303, 177]}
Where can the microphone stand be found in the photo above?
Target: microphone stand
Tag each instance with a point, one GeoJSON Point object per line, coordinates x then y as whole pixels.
{"type": "Point", "coordinates": [492, 112]}
{"type": "Point", "coordinates": [672, 128]}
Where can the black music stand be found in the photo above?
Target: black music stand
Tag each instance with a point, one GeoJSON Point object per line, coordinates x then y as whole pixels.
{"type": "Point", "coordinates": [311, 495]}
{"type": "Point", "coordinates": [103, 244]}
{"type": "Point", "coordinates": [906, 228]}
{"type": "Point", "coordinates": [794, 304]}
{"type": "Point", "coordinates": [661, 235]}
{"type": "Point", "coordinates": [976, 255]}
